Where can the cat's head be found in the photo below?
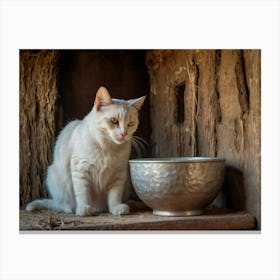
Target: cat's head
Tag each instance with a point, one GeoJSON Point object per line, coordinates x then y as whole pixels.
{"type": "Point", "coordinates": [116, 119]}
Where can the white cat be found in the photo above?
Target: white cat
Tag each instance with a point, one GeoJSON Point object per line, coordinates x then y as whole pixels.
{"type": "Point", "coordinates": [90, 162]}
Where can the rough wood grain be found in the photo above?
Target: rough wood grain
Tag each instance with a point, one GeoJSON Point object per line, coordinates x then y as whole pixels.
{"type": "Point", "coordinates": [213, 219]}
{"type": "Point", "coordinates": [222, 114]}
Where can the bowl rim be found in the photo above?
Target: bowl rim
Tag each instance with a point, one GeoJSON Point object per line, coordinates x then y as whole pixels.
{"type": "Point", "coordinates": [176, 160]}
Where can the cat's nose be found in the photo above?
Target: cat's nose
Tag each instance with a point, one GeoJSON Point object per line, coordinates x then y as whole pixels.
{"type": "Point", "coordinates": [123, 134]}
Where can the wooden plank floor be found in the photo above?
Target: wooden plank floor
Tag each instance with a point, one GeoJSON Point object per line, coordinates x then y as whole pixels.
{"type": "Point", "coordinates": [141, 218]}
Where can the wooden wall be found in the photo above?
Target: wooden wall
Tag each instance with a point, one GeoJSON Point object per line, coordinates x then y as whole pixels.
{"type": "Point", "coordinates": [207, 103]}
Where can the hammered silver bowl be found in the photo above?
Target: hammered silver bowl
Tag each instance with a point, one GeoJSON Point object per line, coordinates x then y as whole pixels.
{"type": "Point", "coordinates": [178, 186]}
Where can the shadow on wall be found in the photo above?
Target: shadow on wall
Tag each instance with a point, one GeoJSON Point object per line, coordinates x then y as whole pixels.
{"type": "Point", "coordinates": [234, 189]}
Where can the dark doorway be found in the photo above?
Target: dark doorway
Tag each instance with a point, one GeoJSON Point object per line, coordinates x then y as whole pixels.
{"type": "Point", "coordinates": [82, 72]}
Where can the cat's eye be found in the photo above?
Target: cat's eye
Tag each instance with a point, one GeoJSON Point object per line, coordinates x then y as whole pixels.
{"type": "Point", "coordinates": [130, 123]}
{"type": "Point", "coordinates": [114, 121]}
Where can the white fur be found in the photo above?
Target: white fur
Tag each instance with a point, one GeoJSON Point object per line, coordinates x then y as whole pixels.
{"type": "Point", "coordinates": [90, 161]}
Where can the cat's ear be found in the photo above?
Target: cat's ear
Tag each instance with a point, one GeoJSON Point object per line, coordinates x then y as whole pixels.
{"type": "Point", "coordinates": [137, 103]}
{"type": "Point", "coordinates": [102, 98]}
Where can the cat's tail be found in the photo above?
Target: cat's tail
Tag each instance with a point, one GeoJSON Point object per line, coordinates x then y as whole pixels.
{"type": "Point", "coordinates": [45, 203]}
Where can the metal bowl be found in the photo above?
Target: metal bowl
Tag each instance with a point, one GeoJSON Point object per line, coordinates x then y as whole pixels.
{"type": "Point", "coordinates": [181, 186]}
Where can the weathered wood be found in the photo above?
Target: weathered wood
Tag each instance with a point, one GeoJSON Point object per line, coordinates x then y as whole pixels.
{"type": "Point", "coordinates": [222, 114]}
{"type": "Point", "coordinates": [213, 219]}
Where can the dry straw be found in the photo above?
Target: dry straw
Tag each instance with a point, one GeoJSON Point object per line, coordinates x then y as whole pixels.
{"type": "Point", "coordinates": [38, 95]}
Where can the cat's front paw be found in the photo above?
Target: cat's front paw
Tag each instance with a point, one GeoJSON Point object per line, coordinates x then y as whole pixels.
{"type": "Point", "coordinates": [84, 210]}
{"type": "Point", "coordinates": [121, 209]}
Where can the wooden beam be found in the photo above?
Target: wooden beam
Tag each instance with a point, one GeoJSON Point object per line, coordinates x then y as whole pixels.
{"type": "Point", "coordinates": [212, 219]}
